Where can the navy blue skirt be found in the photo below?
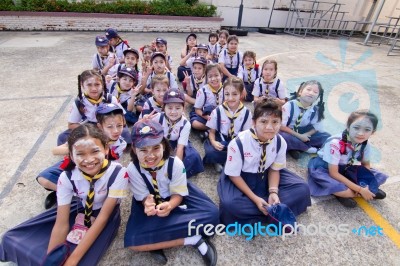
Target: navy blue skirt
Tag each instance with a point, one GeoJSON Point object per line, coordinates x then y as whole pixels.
{"type": "Point", "coordinates": [235, 206]}
{"type": "Point", "coordinates": [322, 184]}
{"type": "Point", "coordinates": [26, 244]}
{"type": "Point", "coordinates": [249, 91]}
{"type": "Point", "coordinates": [212, 155]}
{"type": "Point", "coordinates": [191, 159]}
{"type": "Point", "coordinates": [195, 117]}
{"type": "Point", "coordinates": [143, 230]}
{"type": "Point", "coordinates": [316, 140]}
{"type": "Point", "coordinates": [52, 173]}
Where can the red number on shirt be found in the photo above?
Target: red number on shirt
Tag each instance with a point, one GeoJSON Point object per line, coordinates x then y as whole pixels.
{"type": "Point", "coordinates": [230, 158]}
{"type": "Point", "coordinates": [332, 151]}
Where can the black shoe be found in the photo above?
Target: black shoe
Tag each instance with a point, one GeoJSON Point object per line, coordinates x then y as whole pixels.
{"type": "Point", "coordinates": [203, 135]}
{"type": "Point", "coordinates": [295, 154]}
{"type": "Point", "coordinates": [380, 194]}
{"type": "Point", "coordinates": [159, 256]}
{"type": "Point", "coordinates": [50, 200]}
{"type": "Point", "coordinates": [347, 202]}
{"type": "Point", "coordinates": [210, 258]}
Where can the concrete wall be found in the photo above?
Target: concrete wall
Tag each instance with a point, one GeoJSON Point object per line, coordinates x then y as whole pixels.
{"type": "Point", "coordinates": [256, 13]}
{"type": "Point", "coordinates": [99, 22]}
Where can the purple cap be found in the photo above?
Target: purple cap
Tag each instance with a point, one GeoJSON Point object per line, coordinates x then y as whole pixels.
{"type": "Point", "coordinates": [161, 40]}
{"type": "Point", "coordinates": [107, 108]}
{"type": "Point", "coordinates": [127, 71]}
{"type": "Point", "coordinates": [147, 133]}
{"type": "Point", "coordinates": [111, 33]}
{"type": "Point", "coordinates": [131, 50]}
{"type": "Point", "coordinates": [202, 46]}
{"type": "Point", "coordinates": [101, 41]}
{"type": "Point", "coordinates": [173, 96]}
{"type": "Point", "coordinates": [155, 54]}
{"type": "Point", "coordinates": [200, 60]}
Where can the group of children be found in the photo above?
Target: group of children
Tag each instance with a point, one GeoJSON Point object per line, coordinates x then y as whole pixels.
{"type": "Point", "coordinates": [247, 147]}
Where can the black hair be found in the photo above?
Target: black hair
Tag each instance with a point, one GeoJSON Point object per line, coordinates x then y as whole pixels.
{"type": "Point", "coordinates": [82, 131]}
{"type": "Point", "coordinates": [360, 113]}
{"type": "Point", "coordinates": [166, 154]}
{"type": "Point", "coordinates": [102, 117]}
{"type": "Point", "coordinates": [213, 34]}
{"type": "Point", "coordinates": [266, 105]}
{"type": "Point", "coordinates": [321, 104]}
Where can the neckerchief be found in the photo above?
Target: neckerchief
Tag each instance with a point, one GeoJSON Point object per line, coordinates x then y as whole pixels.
{"type": "Point", "coordinates": [93, 101]}
{"type": "Point", "coordinates": [171, 126]}
{"type": "Point", "coordinates": [263, 158]}
{"type": "Point", "coordinates": [267, 83]}
{"type": "Point", "coordinates": [197, 82]}
{"type": "Point", "coordinates": [156, 103]}
{"type": "Point", "coordinates": [215, 92]}
{"type": "Point", "coordinates": [231, 55]}
{"type": "Point", "coordinates": [231, 132]}
{"type": "Point", "coordinates": [153, 173]}
{"type": "Point", "coordinates": [249, 69]}
{"type": "Point", "coordinates": [302, 112]}
{"type": "Point", "coordinates": [91, 194]}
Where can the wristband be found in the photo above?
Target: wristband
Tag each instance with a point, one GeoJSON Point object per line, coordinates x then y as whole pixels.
{"type": "Point", "coordinates": [273, 192]}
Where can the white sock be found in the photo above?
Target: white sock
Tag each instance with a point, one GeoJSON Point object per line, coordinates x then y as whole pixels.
{"type": "Point", "coordinates": [312, 150]}
{"type": "Point", "coordinates": [192, 240]}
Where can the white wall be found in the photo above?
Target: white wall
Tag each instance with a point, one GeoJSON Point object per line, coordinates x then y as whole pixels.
{"type": "Point", "coordinates": [256, 13]}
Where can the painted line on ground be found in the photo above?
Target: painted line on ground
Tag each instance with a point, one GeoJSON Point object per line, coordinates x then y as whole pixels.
{"type": "Point", "coordinates": [259, 60]}
{"type": "Point", "coordinates": [21, 168]}
{"type": "Point", "coordinates": [388, 229]}
{"type": "Point", "coordinates": [33, 98]}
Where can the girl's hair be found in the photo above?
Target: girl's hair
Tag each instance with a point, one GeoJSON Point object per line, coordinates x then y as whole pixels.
{"type": "Point", "coordinates": [166, 154]}
{"type": "Point", "coordinates": [187, 46]}
{"type": "Point", "coordinates": [360, 113]}
{"type": "Point", "coordinates": [235, 82]}
{"type": "Point", "coordinates": [250, 54]}
{"type": "Point", "coordinates": [87, 74]}
{"type": "Point", "coordinates": [266, 106]}
{"type": "Point", "coordinates": [211, 66]}
{"type": "Point", "coordinates": [321, 104]}
{"type": "Point", "coordinates": [212, 34]}
{"type": "Point", "coordinates": [271, 61]}
{"type": "Point", "coordinates": [147, 46]}
{"type": "Point", "coordinates": [102, 117]}
{"type": "Point", "coordinates": [232, 38]}
{"type": "Point", "coordinates": [83, 131]}
{"type": "Point", "coordinates": [223, 32]}
{"type": "Point", "coordinates": [159, 79]}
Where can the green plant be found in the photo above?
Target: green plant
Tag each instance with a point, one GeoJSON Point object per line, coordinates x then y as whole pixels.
{"type": "Point", "coordinates": [154, 7]}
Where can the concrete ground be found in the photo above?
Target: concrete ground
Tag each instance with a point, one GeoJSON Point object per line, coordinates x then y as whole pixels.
{"type": "Point", "coordinates": [39, 79]}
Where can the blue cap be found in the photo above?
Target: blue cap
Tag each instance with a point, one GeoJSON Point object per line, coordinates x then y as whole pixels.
{"type": "Point", "coordinates": [101, 41]}
{"type": "Point", "coordinates": [127, 71]}
{"type": "Point", "coordinates": [202, 46]}
{"type": "Point", "coordinates": [147, 133]}
{"type": "Point", "coordinates": [161, 40]}
{"type": "Point", "coordinates": [111, 33]}
{"type": "Point", "coordinates": [200, 60]}
{"type": "Point", "coordinates": [107, 108]}
{"type": "Point", "coordinates": [173, 96]}
{"type": "Point", "coordinates": [131, 50]}
{"type": "Point", "coordinates": [155, 54]}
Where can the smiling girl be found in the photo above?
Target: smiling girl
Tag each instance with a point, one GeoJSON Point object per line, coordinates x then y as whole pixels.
{"type": "Point", "coordinates": [163, 201]}
{"type": "Point", "coordinates": [344, 161]}
{"type": "Point", "coordinates": [255, 175]}
{"type": "Point", "coordinates": [226, 121]}
{"type": "Point", "coordinates": [302, 118]}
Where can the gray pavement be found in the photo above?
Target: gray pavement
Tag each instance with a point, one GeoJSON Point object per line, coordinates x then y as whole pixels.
{"type": "Point", "coordinates": [38, 81]}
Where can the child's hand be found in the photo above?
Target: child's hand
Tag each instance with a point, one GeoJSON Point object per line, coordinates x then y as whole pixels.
{"type": "Point", "coordinates": [193, 51]}
{"type": "Point", "coordinates": [144, 65]}
{"type": "Point", "coordinates": [149, 69]}
{"type": "Point", "coordinates": [261, 204]}
{"type": "Point", "coordinates": [304, 137]}
{"type": "Point", "coordinates": [163, 209]}
{"type": "Point", "coordinates": [217, 145]}
{"type": "Point", "coordinates": [135, 91]}
{"type": "Point", "coordinates": [111, 60]}
{"type": "Point", "coordinates": [273, 199]}
{"type": "Point", "coordinates": [149, 116]}
{"type": "Point", "coordinates": [366, 193]}
{"type": "Point", "coordinates": [150, 205]}
{"type": "Point", "coordinates": [108, 78]}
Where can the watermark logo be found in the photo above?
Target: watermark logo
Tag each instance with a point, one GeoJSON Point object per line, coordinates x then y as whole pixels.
{"type": "Point", "coordinates": [346, 89]}
{"type": "Point", "coordinates": [249, 231]}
